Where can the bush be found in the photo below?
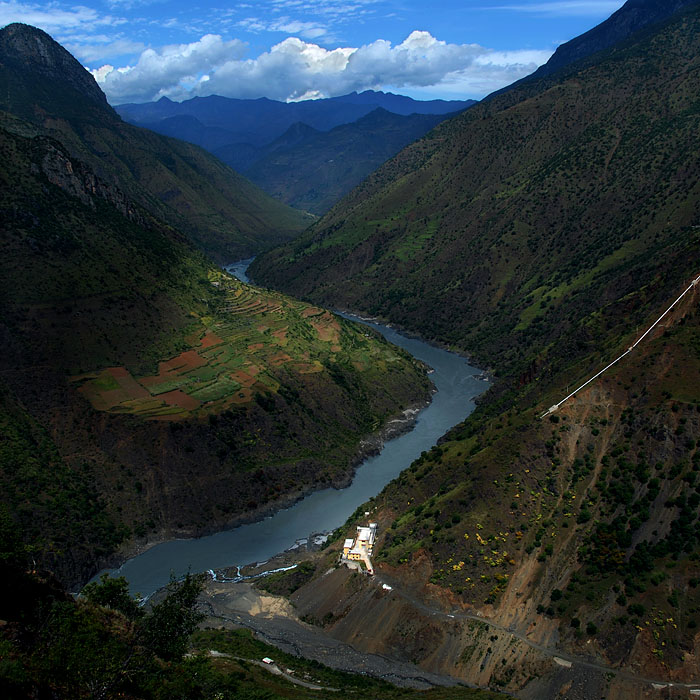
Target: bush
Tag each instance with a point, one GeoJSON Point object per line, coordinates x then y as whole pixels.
{"type": "Point", "coordinates": [171, 622]}
{"type": "Point", "coordinates": [636, 609]}
{"type": "Point", "coordinates": [113, 593]}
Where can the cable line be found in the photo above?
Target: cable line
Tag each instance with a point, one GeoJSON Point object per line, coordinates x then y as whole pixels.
{"type": "Point", "coordinates": [556, 406]}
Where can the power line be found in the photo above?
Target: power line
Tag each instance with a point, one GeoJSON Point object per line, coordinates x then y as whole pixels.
{"type": "Point", "coordinates": [556, 406]}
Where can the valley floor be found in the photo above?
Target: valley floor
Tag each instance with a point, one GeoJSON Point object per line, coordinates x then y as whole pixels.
{"type": "Point", "coordinates": [277, 621]}
{"type": "Point", "coordinates": [273, 620]}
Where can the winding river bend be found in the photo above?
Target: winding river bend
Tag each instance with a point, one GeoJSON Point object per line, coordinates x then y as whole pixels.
{"type": "Point", "coordinates": [457, 383]}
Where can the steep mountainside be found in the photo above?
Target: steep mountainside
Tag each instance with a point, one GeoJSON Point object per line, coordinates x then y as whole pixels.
{"type": "Point", "coordinates": [633, 16]}
{"type": "Point", "coordinates": [144, 393]}
{"type": "Point", "coordinates": [227, 216]}
{"type": "Point", "coordinates": [544, 230]}
{"type": "Point", "coordinates": [313, 170]}
{"type": "Point", "coordinates": [501, 227]}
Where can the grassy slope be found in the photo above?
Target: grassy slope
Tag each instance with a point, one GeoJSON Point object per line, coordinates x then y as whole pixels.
{"type": "Point", "coordinates": [91, 281]}
{"type": "Point", "coordinates": [563, 224]}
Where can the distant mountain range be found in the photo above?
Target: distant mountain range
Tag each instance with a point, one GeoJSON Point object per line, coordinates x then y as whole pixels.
{"type": "Point", "coordinates": [307, 154]}
{"type": "Point", "coordinates": [311, 170]}
{"type": "Point", "coordinates": [259, 122]}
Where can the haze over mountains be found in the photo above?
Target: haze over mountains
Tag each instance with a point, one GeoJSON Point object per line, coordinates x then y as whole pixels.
{"type": "Point", "coordinates": [258, 122]}
{"type": "Point", "coordinates": [307, 154]}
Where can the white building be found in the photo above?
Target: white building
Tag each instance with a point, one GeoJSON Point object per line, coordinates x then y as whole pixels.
{"type": "Point", "coordinates": [363, 544]}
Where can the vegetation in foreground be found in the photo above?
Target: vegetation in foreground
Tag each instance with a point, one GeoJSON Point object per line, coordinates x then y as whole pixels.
{"type": "Point", "coordinates": [104, 645]}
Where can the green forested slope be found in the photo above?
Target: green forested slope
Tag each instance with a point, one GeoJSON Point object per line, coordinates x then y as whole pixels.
{"type": "Point", "coordinates": [497, 230]}
{"type": "Point", "coordinates": [225, 214]}
{"type": "Point", "coordinates": [141, 386]}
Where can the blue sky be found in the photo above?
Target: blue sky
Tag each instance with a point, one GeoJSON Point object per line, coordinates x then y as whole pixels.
{"type": "Point", "coordinates": [140, 50]}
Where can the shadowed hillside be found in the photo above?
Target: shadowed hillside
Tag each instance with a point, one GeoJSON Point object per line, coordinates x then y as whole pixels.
{"type": "Point", "coordinates": [317, 168]}
{"type": "Point", "coordinates": [227, 216]}
{"type": "Point", "coordinates": [140, 386]}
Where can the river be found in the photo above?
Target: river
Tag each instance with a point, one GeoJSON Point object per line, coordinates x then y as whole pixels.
{"type": "Point", "coordinates": [457, 384]}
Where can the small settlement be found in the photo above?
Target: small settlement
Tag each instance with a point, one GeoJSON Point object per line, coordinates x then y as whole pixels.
{"type": "Point", "coordinates": [361, 548]}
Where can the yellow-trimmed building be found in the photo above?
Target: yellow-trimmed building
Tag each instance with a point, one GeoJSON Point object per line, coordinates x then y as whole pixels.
{"type": "Point", "coordinates": [363, 544]}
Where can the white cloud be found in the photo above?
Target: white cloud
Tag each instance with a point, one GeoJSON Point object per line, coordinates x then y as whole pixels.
{"type": "Point", "coordinates": [568, 8]}
{"type": "Point", "coordinates": [171, 70]}
{"type": "Point", "coordinates": [307, 30]}
{"type": "Point", "coordinates": [100, 50]}
{"type": "Point", "coordinates": [295, 69]}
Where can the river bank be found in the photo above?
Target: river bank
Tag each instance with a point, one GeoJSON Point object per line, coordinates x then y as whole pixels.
{"type": "Point", "coordinates": [266, 531]}
{"type": "Point", "coordinates": [369, 446]}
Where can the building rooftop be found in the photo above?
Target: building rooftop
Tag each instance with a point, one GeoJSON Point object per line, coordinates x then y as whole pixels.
{"type": "Point", "coordinates": [367, 534]}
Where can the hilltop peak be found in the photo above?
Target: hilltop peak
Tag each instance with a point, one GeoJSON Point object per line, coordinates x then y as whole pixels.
{"type": "Point", "coordinates": [632, 17]}
{"type": "Point", "coordinates": [33, 49]}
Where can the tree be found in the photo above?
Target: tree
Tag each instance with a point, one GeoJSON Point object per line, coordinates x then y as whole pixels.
{"type": "Point", "coordinates": [113, 593]}
{"type": "Point", "coordinates": [167, 628]}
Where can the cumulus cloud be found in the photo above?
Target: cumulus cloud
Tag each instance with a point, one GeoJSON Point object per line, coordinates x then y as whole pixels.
{"type": "Point", "coordinates": [296, 69]}
{"type": "Point", "coordinates": [171, 70]}
{"type": "Point", "coordinates": [488, 72]}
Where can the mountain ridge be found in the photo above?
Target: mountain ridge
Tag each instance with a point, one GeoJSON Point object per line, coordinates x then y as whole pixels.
{"type": "Point", "coordinates": [634, 16]}
{"type": "Point", "coordinates": [223, 212]}
{"type": "Point", "coordinates": [21, 44]}
{"type": "Point", "coordinates": [311, 170]}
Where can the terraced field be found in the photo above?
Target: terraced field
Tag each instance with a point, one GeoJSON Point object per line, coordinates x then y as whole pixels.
{"type": "Point", "coordinates": [234, 354]}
